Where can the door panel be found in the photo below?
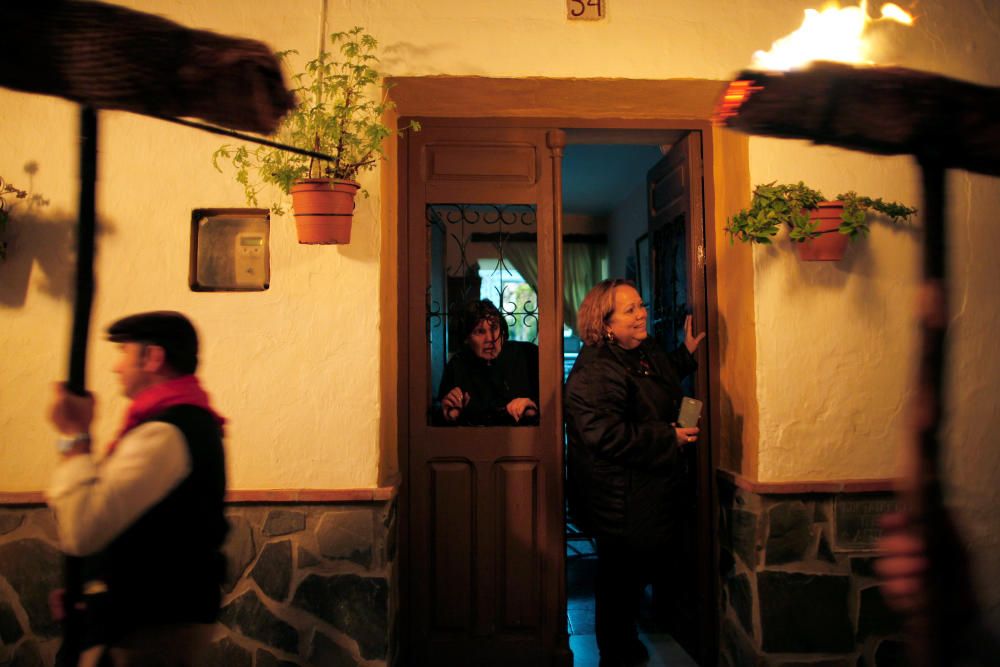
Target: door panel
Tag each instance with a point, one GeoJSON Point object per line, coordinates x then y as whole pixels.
{"type": "Point", "coordinates": [482, 526]}
{"type": "Point", "coordinates": [684, 597]}
{"type": "Point", "coordinates": [453, 489]}
{"type": "Point", "coordinates": [517, 487]}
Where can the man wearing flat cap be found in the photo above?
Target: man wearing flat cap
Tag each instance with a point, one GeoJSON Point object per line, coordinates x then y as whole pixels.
{"type": "Point", "coordinates": [149, 515]}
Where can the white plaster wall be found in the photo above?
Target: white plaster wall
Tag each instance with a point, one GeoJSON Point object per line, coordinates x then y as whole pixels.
{"type": "Point", "coordinates": [296, 367]}
{"type": "Point", "coordinates": [842, 416]}
{"type": "Point", "coordinates": [834, 339]}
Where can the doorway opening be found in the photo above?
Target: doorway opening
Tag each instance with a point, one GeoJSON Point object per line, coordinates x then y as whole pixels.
{"type": "Point", "coordinates": [620, 220]}
{"type": "Point", "coordinates": [500, 135]}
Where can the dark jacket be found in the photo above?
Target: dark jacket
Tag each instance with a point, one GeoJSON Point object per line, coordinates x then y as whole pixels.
{"type": "Point", "coordinates": [491, 386]}
{"type": "Point", "coordinates": [624, 463]}
{"type": "Point", "coordinates": [168, 566]}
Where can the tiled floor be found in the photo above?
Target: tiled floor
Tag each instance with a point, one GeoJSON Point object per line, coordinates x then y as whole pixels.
{"type": "Point", "coordinates": [580, 566]}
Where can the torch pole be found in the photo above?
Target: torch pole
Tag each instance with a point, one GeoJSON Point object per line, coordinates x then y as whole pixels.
{"type": "Point", "coordinates": [84, 251]}
{"type": "Point", "coordinates": [73, 567]}
{"type": "Point", "coordinates": [949, 602]}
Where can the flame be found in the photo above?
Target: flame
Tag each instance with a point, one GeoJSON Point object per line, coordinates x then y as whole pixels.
{"type": "Point", "coordinates": [736, 94]}
{"type": "Point", "coordinates": [834, 33]}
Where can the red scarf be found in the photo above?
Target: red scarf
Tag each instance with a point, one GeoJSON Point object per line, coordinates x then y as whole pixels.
{"type": "Point", "coordinates": [183, 390]}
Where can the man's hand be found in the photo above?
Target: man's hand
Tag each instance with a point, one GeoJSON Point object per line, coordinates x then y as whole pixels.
{"type": "Point", "coordinates": [69, 413]}
{"type": "Point", "coordinates": [903, 566]}
{"type": "Point", "coordinates": [453, 402]}
{"type": "Point", "coordinates": [521, 407]}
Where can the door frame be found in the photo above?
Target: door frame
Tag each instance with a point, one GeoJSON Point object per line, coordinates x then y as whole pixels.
{"type": "Point", "coordinates": [641, 105]}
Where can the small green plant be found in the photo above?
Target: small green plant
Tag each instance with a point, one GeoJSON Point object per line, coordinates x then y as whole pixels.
{"type": "Point", "coordinates": [334, 116]}
{"type": "Point", "coordinates": [774, 204]}
{"type": "Point", "coordinates": [7, 190]}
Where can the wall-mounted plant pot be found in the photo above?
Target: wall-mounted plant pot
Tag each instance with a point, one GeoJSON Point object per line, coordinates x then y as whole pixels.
{"type": "Point", "coordinates": [324, 209]}
{"type": "Point", "coordinates": [830, 245]}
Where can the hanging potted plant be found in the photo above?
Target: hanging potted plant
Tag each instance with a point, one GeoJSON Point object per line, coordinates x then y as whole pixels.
{"type": "Point", "coordinates": [820, 229]}
{"type": "Point", "coordinates": [335, 116]}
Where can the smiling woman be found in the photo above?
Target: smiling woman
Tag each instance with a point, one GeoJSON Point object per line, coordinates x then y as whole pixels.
{"type": "Point", "coordinates": [626, 454]}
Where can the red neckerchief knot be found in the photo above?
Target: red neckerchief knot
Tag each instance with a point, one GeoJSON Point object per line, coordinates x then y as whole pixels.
{"type": "Point", "coordinates": [183, 390]}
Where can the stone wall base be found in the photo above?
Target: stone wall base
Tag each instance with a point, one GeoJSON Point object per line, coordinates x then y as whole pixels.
{"type": "Point", "coordinates": [307, 584]}
{"type": "Point", "coordinates": [797, 581]}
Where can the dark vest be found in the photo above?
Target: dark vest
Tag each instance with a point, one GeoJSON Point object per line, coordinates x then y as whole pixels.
{"type": "Point", "coordinates": [168, 567]}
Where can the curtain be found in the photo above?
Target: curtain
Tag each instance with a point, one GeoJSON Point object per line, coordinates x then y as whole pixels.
{"type": "Point", "coordinates": [581, 271]}
{"type": "Point", "coordinates": [523, 258]}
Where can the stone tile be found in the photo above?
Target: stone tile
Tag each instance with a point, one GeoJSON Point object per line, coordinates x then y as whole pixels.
{"type": "Point", "coordinates": [32, 568]}
{"type": "Point", "coordinates": [347, 535]}
{"type": "Point", "coordinates": [327, 652]}
{"type": "Point", "coordinates": [248, 615]}
{"type": "Point", "coordinates": [306, 558]}
{"type": "Point", "coordinates": [789, 534]}
{"type": "Point", "coordinates": [736, 649]}
{"type": "Point", "coordinates": [284, 522]}
{"type": "Point", "coordinates": [824, 551]}
{"type": "Point", "coordinates": [741, 599]}
{"type": "Point", "coordinates": [804, 613]}
{"type": "Point", "coordinates": [744, 532]}
{"type": "Point", "coordinates": [357, 606]}
{"type": "Point", "coordinates": [273, 570]}
{"type": "Point", "coordinates": [10, 628]}
{"type": "Point", "coordinates": [391, 533]}
{"type": "Point", "coordinates": [874, 617]}
{"type": "Point", "coordinates": [45, 520]}
{"type": "Point", "coordinates": [239, 549]}
{"type": "Point", "coordinates": [863, 566]}
{"type": "Point", "coordinates": [226, 652]}
{"type": "Point", "coordinates": [727, 564]}
{"type": "Point", "coordinates": [10, 520]}
{"type": "Point", "coordinates": [27, 654]}
{"type": "Point", "coordinates": [267, 659]}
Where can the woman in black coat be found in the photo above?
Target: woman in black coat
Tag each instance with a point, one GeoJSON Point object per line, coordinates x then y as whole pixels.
{"type": "Point", "coordinates": [622, 399]}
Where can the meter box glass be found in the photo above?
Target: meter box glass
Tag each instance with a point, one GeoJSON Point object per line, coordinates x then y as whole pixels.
{"type": "Point", "coordinates": [229, 250]}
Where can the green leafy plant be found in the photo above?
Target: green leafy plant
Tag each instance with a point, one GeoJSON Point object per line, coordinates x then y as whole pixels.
{"type": "Point", "coordinates": [858, 209]}
{"type": "Point", "coordinates": [334, 116]}
{"type": "Point", "coordinates": [776, 204]}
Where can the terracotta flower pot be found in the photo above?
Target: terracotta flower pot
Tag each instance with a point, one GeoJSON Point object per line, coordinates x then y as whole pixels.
{"type": "Point", "coordinates": [324, 209]}
{"type": "Point", "coordinates": [830, 245]}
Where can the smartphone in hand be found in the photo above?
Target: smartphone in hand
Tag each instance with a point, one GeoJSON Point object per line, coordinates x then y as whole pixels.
{"type": "Point", "coordinates": [690, 412]}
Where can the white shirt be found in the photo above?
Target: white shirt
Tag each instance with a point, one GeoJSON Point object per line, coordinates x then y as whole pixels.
{"type": "Point", "coordinates": [95, 502]}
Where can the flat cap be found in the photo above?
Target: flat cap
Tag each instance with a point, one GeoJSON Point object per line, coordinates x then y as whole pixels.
{"type": "Point", "coordinates": [170, 330]}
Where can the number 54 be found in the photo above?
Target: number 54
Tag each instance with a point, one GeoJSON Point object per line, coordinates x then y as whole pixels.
{"type": "Point", "coordinates": [578, 8]}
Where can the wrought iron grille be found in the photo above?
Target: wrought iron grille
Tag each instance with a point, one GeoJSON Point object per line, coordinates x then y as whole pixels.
{"type": "Point", "coordinates": [670, 286]}
{"type": "Point", "coordinates": [454, 226]}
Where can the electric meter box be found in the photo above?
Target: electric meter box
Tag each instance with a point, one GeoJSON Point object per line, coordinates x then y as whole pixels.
{"type": "Point", "coordinates": [229, 250]}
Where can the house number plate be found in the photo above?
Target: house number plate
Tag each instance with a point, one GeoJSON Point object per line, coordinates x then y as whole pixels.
{"type": "Point", "coordinates": [586, 10]}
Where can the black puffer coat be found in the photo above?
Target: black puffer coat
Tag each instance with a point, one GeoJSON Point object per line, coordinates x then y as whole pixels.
{"type": "Point", "coordinates": [624, 463]}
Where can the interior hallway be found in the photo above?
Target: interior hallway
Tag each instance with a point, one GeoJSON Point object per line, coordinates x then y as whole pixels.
{"type": "Point", "coordinates": [580, 566]}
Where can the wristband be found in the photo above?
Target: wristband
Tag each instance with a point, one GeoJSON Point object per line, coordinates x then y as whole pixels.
{"type": "Point", "coordinates": [66, 444]}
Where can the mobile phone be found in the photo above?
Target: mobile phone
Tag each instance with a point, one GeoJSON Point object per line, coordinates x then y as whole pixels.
{"type": "Point", "coordinates": [690, 412]}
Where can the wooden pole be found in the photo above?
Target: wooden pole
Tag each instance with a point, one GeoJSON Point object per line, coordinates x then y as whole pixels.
{"type": "Point", "coordinates": [73, 632]}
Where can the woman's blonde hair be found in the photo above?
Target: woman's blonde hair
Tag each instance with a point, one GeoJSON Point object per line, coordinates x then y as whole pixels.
{"type": "Point", "coordinates": [595, 310]}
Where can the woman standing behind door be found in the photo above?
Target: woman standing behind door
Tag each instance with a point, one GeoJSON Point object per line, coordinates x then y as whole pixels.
{"type": "Point", "coordinates": [622, 398]}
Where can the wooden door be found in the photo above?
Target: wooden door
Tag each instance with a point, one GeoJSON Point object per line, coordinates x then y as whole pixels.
{"type": "Point", "coordinates": [482, 521]}
{"type": "Point", "coordinates": [685, 596]}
